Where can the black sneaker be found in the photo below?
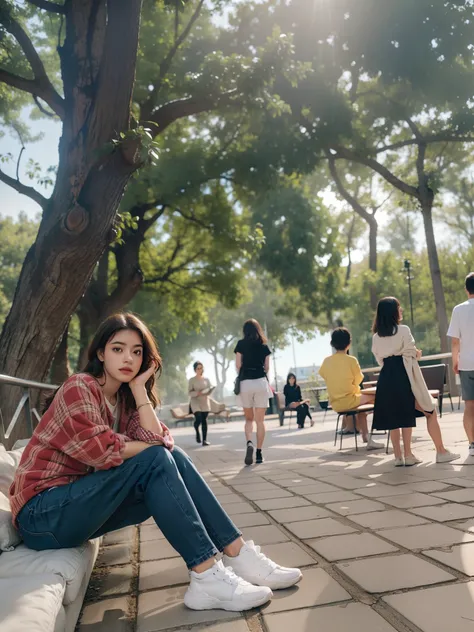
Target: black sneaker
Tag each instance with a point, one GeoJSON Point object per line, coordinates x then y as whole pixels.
{"type": "Point", "coordinates": [259, 457]}
{"type": "Point", "coordinates": [198, 436]}
{"type": "Point", "coordinates": [249, 454]}
{"type": "Point", "coordinates": [205, 442]}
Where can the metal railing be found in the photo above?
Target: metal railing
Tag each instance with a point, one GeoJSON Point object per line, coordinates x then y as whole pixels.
{"type": "Point", "coordinates": [435, 356]}
{"type": "Point", "coordinates": [24, 403]}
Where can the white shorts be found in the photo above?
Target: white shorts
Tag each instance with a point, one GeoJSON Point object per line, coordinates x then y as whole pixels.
{"type": "Point", "coordinates": [255, 393]}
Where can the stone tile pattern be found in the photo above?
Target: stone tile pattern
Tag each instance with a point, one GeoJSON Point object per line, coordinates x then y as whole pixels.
{"type": "Point", "coordinates": [354, 524]}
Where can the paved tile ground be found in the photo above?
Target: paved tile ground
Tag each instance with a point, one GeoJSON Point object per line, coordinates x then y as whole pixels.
{"type": "Point", "coordinates": [382, 549]}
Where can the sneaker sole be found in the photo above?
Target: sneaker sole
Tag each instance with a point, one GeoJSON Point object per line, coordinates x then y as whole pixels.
{"type": "Point", "coordinates": [455, 457]}
{"type": "Point", "coordinates": [287, 584]}
{"type": "Point", "coordinates": [249, 455]}
{"type": "Point", "coordinates": [204, 602]}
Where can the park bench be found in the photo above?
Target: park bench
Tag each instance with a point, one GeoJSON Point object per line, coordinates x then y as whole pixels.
{"type": "Point", "coordinates": [40, 591]}
{"type": "Point", "coordinates": [181, 413]}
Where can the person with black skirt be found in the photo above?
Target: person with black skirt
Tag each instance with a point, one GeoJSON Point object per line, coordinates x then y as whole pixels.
{"type": "Point", "coordinates": [294, 399]}
{"type": "Point", "coordinates": [402, 394]}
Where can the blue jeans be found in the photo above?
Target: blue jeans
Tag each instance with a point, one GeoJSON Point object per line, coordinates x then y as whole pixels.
{"type": "Point", "coordinates": [158, 483]}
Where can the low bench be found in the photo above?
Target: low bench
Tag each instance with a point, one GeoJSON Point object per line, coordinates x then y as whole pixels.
{"type": "Point", "coordinates": [180, 415]}
{"type": "Point", "coordinates": [40, 591]}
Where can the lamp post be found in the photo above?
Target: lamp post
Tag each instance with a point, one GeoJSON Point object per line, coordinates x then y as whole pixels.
{"type": "Point", "coordinates": [294, 352]}
{"type": "Point", "coordinates": [407, 267]}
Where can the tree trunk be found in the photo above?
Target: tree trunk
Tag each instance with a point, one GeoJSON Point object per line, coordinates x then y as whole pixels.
{"type": "Point", "coordinates": [98, 65]}
{"type": "Point", "coordinates": [88, 323]}
{"type": "Point", "coordinates": [373, 230]}
{"type": "Point", "coordinates": [61, 369]}
{"type": "Point", "coordinates": [350, 236]}
{"type": "Point", "coordinates": [435, 271]}
{"type": "Point", "coordinates": [219, 386]}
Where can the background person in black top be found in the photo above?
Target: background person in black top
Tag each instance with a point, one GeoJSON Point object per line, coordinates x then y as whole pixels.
{"type": "Point", "coordinates": [252, 362]}
{"type": "Point", "coordinates": [294, 399]}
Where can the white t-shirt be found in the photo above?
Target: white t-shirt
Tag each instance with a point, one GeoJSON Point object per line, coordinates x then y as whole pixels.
{"type": "Point", "coordinates": [462, 327]}
{"type": "Point", "coordinates": [115, 410]}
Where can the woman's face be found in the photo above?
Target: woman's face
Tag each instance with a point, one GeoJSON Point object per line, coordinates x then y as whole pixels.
{"type": "Point", "coordinates": [292, 381]}
{"type": "Point", "coordinates": [199, 370]}
{"type": "Point", "coordinates": [122, 356]}
{"type": "Point", "coordinates": [400, 313]}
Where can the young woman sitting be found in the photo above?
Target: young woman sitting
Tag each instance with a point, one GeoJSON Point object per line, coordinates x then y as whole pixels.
{"type": "Point", "coordinates": [294, 399]}
{"type": "Point", "coordinates": [100, 460]}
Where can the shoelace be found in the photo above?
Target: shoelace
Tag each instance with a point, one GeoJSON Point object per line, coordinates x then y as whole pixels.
{"type": "Point", "coordinates": [228, 575]}
{"type": "Point", "coordinates": [263, 558]}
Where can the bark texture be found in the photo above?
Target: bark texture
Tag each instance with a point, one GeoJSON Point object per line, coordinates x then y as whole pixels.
{"type": "Point", "coordinates": [98, 61]}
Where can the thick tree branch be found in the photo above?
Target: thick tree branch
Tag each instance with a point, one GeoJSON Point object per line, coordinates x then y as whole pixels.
{"type": "Point", "coordinates": [171, 270]}
{"type": "Point", "coordinates": [41, 86]}
{"type": "Point", "coordinates": [168, 60]}
{"type": "Point", "coordinates": [117, 73]}
{"type": "Point", "coordinates": [52, 7]}
{"type": "Point", "coordinates": [363, 159]}
{"type": "Point", "coordinates": [420, 164]}
{"type": "Point", "coordinates": [344, 193]}
{"type": "Point", "coordinates": [30, 192]}
{"type": "Point", "coordinates": [192, 218]}
{"type": "Point", "coordinates": [172, 111]}
{"type": "Point", "coordinates": [442, 137]}
{"type": "Point", "coordinates": [41, 108]}
{"type": "Point", "coordinates": [147, 223]}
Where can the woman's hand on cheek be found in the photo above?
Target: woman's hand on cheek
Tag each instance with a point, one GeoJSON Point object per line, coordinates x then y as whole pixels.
{"type": "Point", "coordinates": [140, 380]}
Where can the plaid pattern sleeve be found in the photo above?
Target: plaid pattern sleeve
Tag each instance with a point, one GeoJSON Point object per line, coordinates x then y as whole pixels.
{"type": "Point", "coordinates": [137, 433]}
{"type": "Point", "coordinates": [80, 430]}
{"type": "Point", "coordinates": [73, 438]}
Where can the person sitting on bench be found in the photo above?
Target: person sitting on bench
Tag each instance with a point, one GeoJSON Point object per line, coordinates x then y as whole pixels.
{"type": "Point", "coordinates": [343, 377]}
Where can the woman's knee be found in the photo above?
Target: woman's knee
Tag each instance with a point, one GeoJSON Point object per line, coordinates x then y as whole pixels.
{"type": "Point", "coordinates": [180, 457]}
{"type": "Point", "coordinates": [157, 456]}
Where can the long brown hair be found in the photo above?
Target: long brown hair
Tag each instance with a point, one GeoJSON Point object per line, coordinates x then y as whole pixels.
{"type": "Point", "coordinates": [387, 317]}
{"type": "Point", "coordinates": [95, 367]}
{"type": "Point", "coordinates": [253, 331]}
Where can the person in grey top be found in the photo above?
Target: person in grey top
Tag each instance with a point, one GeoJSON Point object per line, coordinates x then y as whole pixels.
{"type": "Point", "coordinates": [199, 389]}
{"type": "Point", "coordinates": [461, 332]}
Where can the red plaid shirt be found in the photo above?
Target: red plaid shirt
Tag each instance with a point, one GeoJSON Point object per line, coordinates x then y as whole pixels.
{"type": "Point", "coordinates": [75, 437]}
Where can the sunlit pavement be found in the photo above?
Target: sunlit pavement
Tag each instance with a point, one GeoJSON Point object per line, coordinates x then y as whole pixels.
{"type": "Point", "coordinates": [382, 548]}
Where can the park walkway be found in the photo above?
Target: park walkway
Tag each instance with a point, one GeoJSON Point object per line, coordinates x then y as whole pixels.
{"type": "Point", "coordinates": [382, 549]}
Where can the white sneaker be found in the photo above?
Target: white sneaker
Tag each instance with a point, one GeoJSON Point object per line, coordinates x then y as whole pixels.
{"type": "Point", "coordinates": [447, 457]}
{"type": "Point", "coordinates": [372, 445]}
{"type": "Point", "coordinates": [257, 568]}
{"type": "Point", "coordinates": [399, 462]}
{"type": "Point", "coordinates": [471, 449]}
{"type": "Point", "coordinates": [220, 588]}
{"type": "Point", "coordinates": [412, 460]}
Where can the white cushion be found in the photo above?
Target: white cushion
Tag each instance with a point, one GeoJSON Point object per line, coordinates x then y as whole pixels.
{"type": "Point", "coordinates": [9, 461]}
{"type": "Point", "coordinates": [70, 564]}
{"type": "Point", "coordinates": [20, 443]}
{"type": "Point", "coordinates": [31, 604]}
{"type": "Point", "coordinates": [9, 536]}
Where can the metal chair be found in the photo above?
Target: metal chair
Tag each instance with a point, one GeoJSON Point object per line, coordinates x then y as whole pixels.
{"type": "Point", "coordinates": [282, 409]}
{"type": "Point", "coordinates": [435, 376]}
{"type": "Point", "coordinates": [324, 404]}
{"type": "Point", "coordinates": [365, 408]}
